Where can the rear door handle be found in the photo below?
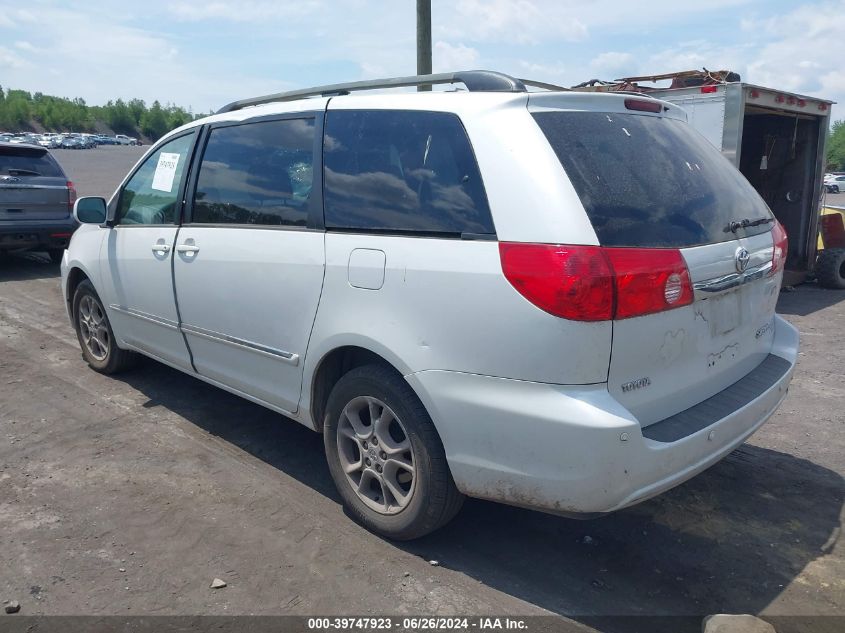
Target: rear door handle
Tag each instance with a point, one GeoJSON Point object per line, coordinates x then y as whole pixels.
{"type": "Point", "coordinates": [187, 248]}
{"type": "Point", "coordinates": [161, 248]}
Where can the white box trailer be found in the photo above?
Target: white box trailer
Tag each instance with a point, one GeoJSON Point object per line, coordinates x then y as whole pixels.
{"type": "Point", "coordinates": [777, 140]}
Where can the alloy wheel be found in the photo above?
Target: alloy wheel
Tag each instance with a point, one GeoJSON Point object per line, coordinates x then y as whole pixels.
{"type": "Point", "coordinates": [93, 327]}
{"type": "Point", "coordinates": [376, 455]}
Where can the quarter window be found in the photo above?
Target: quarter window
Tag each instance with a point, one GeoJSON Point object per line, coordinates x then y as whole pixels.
{"type": "Point", "coordinates": [151, 195]}
{"type": "Point", "coordinates": [256, 173]}
{"type": "Point", "coordinates": [402, 171]}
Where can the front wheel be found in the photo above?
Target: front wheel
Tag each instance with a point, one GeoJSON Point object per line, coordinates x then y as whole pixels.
{"type": "Point", "coordinates": [95, 334]}
{"type": "Point", "coordinates": [386, 457]}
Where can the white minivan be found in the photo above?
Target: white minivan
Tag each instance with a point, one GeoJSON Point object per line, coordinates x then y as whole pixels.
{"type": "Point", "coordinates": [558, 300]}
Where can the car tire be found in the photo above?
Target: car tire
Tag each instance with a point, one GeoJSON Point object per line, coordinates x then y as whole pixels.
{"type": "Point", "coordinates": [834, 189]}
{"type": "Point", "coordinates": [93, 330]}
{"type": "Point", "coordinates": [56, 255]}
{"type": "Point", "coordinates": [830, 268]}
{"type": "Point", "coordinates": [398, 452]}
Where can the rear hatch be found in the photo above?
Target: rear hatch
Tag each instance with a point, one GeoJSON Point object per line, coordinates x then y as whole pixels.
{"type": "Point", "coordinates": [691, 244]}
{"type": "Point", "coordinates": [32, 185]}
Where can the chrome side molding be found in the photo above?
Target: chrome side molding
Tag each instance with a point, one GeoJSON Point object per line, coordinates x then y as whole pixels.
{"type": "Point", "coordinates": [170, 325]}
{"type": "Point", "coordinates": [218, 337]}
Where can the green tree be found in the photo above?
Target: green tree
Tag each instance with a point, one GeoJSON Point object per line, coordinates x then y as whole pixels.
{"type": "Point", "coordinates": [19, 109]}
{"type": "Point", "coordinates": [154, 122]}
{"type": "Point", "coordinates": [119, 117]}
{"type": "Point", "coordinates": [836, 147]}
{"type": "Point", "coordinates": [137, 107]}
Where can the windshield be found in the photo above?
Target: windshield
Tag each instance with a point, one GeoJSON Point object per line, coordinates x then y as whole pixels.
{"type": "Point", "coordinates": [651, 181]}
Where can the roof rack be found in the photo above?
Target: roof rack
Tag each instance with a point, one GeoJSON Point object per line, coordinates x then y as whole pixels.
{"type": "Point", "coordinates": [474, 80]}
{"type": "Point", "coordinates": [542, 84]}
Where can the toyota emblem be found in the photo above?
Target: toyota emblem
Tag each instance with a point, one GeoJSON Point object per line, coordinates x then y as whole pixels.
{"type": "Point", "coordinates": [742, 259]}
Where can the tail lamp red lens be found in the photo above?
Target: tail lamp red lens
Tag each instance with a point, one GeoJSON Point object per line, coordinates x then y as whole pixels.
{"type": "Point", "coordinates": [592, 283]}
{"type": "Point", "coordinates": [643, 106]}
{"type": "Point", "coordinates": [573, 282]}
{"type": "Point", "coordinates": [649, 280]}
{"type": "Point", "coordinates": [781, 247]}
{"type": "Point", "coordinates": [71, 195]}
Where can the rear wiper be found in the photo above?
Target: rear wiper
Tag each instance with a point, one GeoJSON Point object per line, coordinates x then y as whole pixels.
{"type": "Point", "coordinates": [745, 223]}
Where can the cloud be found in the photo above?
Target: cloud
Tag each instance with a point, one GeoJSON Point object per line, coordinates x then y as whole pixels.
{"type": "Point", "coordinates": [797, 46]}
{"type": "Point", "coordinates": [204, 53]}
{"type": "Point", "coordinates": [522, 21]}
{"type": "Point", "coordinates": [446, 57]}
{"type": "Point", "coordinates": [260, 12]}
{"type": "Point", "coordinates": [11, 61]}
{"type": "Point", "coordinates": [550, 73]}
{"type": "Point", "coordinates": [612, 65]}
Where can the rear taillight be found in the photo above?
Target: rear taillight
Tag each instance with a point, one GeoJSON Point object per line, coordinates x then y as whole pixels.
{"type": "Point", "coordinates": [591, 283]}
{"type": "Point", "coordinates": [781, 244]}
{"type": "Point", "coordinates": [649, 280]}
{"type": "Point", "coordinates": [573, 282]}
{"type": "Point", "coordinates": [71, 195]}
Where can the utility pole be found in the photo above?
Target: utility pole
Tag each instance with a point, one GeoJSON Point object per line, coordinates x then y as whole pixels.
{"type": "Point", "coordinates": [423, 40]}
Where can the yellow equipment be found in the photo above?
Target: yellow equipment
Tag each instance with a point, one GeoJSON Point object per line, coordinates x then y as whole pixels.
{"type": "Point", "coordinates": [830, 264]}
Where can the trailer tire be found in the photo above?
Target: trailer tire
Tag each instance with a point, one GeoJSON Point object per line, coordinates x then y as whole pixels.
{"type": "Point", "coordinates": [830, 268]}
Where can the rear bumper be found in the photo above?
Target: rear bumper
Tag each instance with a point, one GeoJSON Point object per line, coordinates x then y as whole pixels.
{"type": "Point", "coordinates": [36, 234]}
{"type": "Point", "coordinates": [575, 449]}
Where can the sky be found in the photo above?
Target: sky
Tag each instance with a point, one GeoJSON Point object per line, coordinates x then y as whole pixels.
{"type": "Point", "coordinates": [203, 54]}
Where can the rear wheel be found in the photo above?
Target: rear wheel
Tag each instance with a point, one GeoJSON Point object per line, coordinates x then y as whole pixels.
{"type": "Point", "coordinates": [95, 334]}
{"type": "Point", "coordinates": [385, 456]}
{"type": "Point", "coordinates": [830, 268]}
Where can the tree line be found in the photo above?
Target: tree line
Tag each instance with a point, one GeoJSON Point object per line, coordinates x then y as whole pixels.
{"type": "Point", "coordinates": [836, 147]}
{"type": "Point", "coordinates": [19, 109]}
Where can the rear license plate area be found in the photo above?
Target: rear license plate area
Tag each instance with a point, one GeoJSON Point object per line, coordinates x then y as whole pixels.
{"type": "Point", "coordinates": [725, 313]}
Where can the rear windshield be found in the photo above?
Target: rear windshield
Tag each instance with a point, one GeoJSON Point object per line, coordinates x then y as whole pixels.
{"type": "Point", "coordinates": [651, 181]}
{"type": "Point", "coordinates": [21, 161]}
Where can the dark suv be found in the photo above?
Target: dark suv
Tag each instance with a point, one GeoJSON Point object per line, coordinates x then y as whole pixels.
{"type": "Point", "coordinates": [36, 201]}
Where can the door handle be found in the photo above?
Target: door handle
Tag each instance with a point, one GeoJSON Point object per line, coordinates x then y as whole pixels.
{"type": "Point", "coordinates": [161, 248]}
{"type": "Point", "coordinates": [187, 248]}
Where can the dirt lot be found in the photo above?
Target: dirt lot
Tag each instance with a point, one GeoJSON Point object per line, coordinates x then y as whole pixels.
{"type": "Point", "coordinates": [129, 495]}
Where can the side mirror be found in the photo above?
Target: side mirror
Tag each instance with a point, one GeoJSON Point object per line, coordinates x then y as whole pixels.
{"type": "Point", "coordinates": [90, 210]}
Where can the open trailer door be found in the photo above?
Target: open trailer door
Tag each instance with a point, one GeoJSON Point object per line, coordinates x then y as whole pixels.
{"type": "Point", "coordinates": [781, 151]}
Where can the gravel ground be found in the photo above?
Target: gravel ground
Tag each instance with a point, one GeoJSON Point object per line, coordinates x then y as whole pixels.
{"type": "Point", "coordinates": [129, 495]}
{"type": "Point", "coordinates": [98, 172]}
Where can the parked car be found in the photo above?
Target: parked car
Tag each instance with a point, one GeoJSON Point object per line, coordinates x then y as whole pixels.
{"type": "Point", "coordinates": [36, 201]}
{"type": "Point", "coordinates": [49, 141]}
{"type": "Point", "coordinates": [485, 292]}
{"type": "Point", "coordinates": [71, 142]}
{"type": "Point", "coordinates": [126, 140]}
{"type": "Point", "coordinates": [834, 183]}
{"type": "Point", "coordinates": [87, 141]}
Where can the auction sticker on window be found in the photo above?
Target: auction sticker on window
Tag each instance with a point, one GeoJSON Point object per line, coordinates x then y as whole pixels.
{"type": "Point", "coordinates": [165, 172]}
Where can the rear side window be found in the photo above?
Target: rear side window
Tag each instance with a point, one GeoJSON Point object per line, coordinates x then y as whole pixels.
{"type": "Point", "coordinates": [20, 161]}
{"type": "Point", "coordinates": [651, 181]}
{"type": "Point", "coordinates": [402, 171]}
{"type": "Point", "coordinates": [256, 173]}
